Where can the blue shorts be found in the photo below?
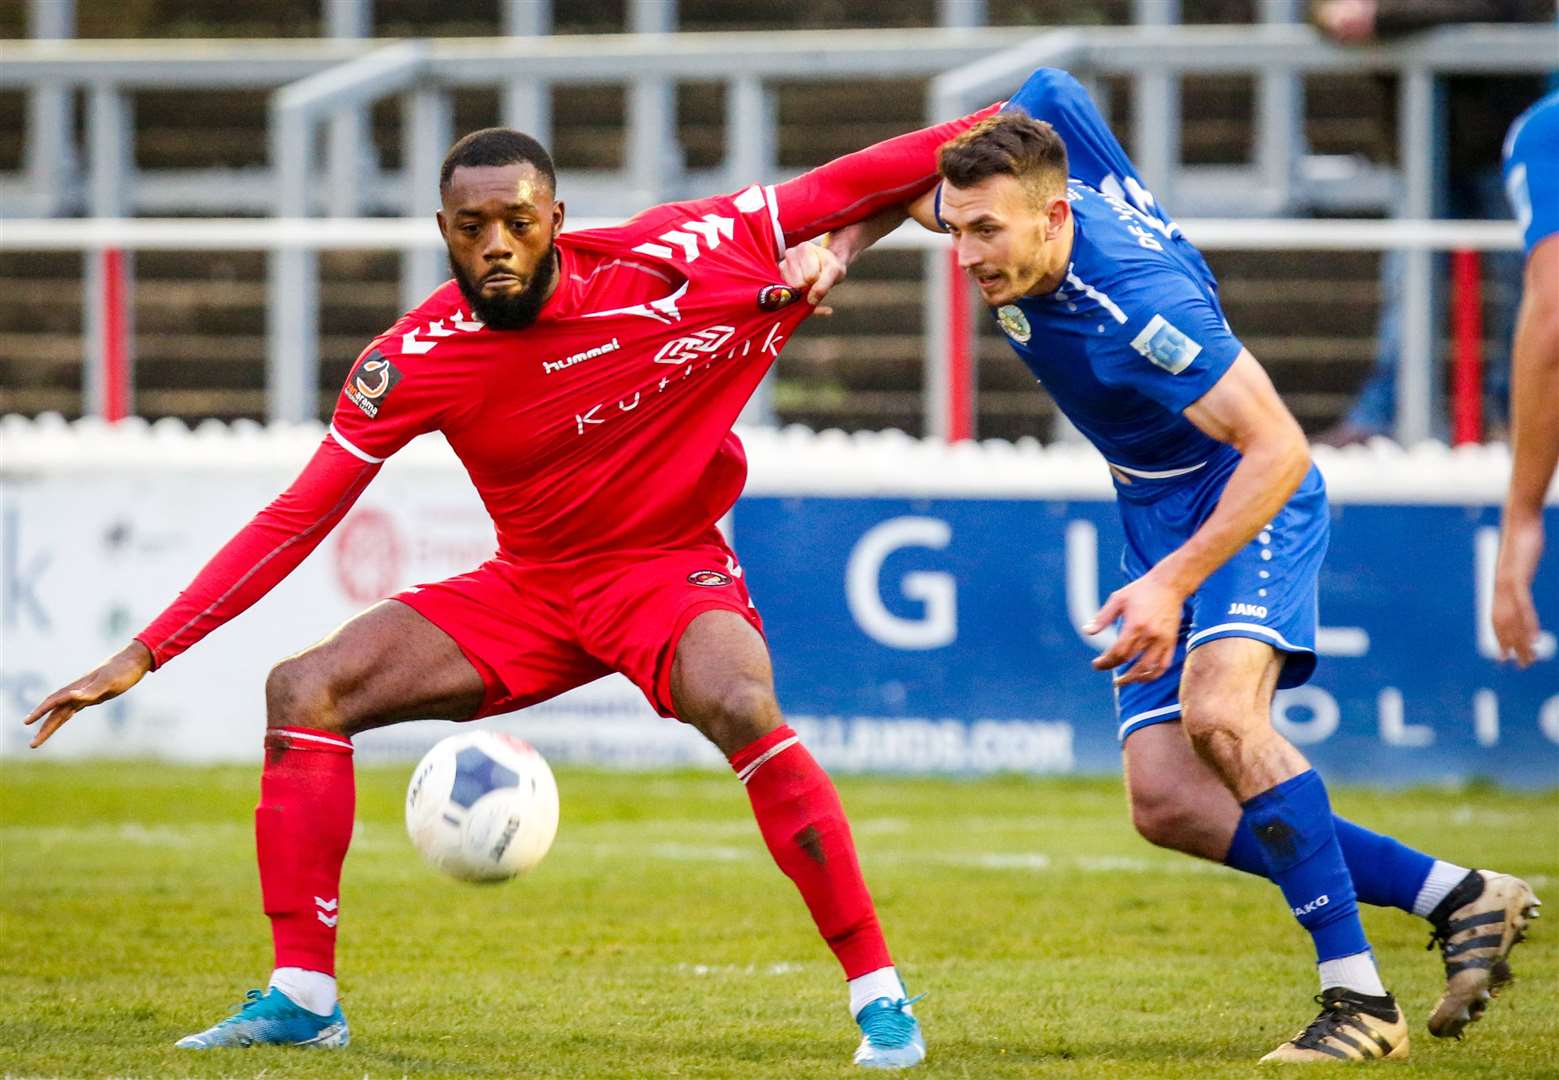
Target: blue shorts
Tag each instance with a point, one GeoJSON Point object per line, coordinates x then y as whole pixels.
{"type": "Point", "coordinates": [1267, 591]}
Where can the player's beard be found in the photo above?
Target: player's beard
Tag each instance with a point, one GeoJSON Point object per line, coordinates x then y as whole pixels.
{"type": "Point", "coordinates": [511, 311]}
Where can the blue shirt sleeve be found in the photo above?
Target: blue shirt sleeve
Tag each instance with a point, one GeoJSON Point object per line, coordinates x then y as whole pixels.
{"type": "Point", "coordinates": [1094, 155]}
{"type": "Point", "coordinates": [1171, 346]}
{"type": "Point", "coordinates": [1532, 171]}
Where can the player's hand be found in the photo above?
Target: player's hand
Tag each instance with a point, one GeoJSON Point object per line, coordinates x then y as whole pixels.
{"type": "Point", "coordinates": [815, 268]}
{"type": "Point", "coordinates": [1149, 611]}
{"type": "Point", "coordinates": [1515, 616]}
{"type": "Point", "coordinates": [111, 678]}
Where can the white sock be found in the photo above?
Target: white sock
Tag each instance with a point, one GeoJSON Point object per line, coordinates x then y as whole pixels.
{"type": "Point", "coordinates": [1443, 877]}
{"type": "Point", "coordinates": [865, 989]}
{"type": "Point", "coordinates": [314, 990]}
{"type": "Point", "coordinates": [1356, 972]}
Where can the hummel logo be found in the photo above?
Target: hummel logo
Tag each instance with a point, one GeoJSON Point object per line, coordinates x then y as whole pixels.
{"type": "Point", "coordinates": [326, 905]}
{"type": "Point", "coordinates": [411, 343]}
{"type": "Point", "coordinates": [709, 230]}
{"type": "Point", "coordinates": [549, 366]}
{"type": "Point", "coordinates": [1314, 905]}
{"type": "Point", "coordinates": [1254, 610]}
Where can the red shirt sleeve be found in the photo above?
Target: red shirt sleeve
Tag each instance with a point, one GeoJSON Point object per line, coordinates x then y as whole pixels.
{"type": "Point", "coordinates": [859, 185]}
{"type": "Point", "coordinates": [396, 390]}
{"type": "Point", "coordinates": [263, 551]}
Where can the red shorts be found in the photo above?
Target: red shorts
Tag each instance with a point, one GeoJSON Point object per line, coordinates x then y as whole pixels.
{"type": "Point", "coordinates": [533, 631]}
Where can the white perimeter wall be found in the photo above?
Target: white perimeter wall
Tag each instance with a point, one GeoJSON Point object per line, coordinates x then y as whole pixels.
{"type": "Point", "coordinates": [101, 526]}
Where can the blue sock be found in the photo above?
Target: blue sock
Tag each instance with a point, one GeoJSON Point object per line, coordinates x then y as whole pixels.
{"type": "Point", "coordinates": [1385, 871]}
{"type": "Point", "coordinates": [1293, 827]}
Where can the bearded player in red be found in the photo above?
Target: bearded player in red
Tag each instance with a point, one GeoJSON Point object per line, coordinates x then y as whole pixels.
{"type": "Point", "coordinates": [588, 382]}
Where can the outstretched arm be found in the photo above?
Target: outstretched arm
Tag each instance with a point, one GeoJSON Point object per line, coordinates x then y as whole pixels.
{"type": "Point", "coordinates": [1534, 395]}
{"type": "Point", "coordinates": [249, 565]}
{"type": "Point", "coordinates": [818, 267]}
{"type": "Point", "coordinates": [854, 185]}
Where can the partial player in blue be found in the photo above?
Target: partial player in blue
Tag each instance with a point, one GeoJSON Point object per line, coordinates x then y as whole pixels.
{"type": "Point", "coordinates": [1226, 521]}
{"type": "Point", "coordinates": [1532, 180]}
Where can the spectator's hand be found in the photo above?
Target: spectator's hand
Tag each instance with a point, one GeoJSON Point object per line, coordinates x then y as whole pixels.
{"type": "Point", "coordinates": [1515, 616]}
{"type": "Point", "coordinates": [815, 268]}
{"type": "Point", "coordinates": [110, 679]}
{"type": "Point", "coordinates": [1347, 22]}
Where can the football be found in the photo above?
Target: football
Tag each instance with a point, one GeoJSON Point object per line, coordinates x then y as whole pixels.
{"type": "Point", "coordinates": [482, 806]}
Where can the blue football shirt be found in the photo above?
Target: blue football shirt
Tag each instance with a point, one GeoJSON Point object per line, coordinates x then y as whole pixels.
{"type": "Point", "coordinates": [1135, 333]}
{"type": "Point", "coordinates": [1131, 337]}
{"type": "Point", "coordinates": [1532, 170]}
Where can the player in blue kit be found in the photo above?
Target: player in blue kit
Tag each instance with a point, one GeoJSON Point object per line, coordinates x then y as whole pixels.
{"type": "Point", "coordinates": [1226, 523]}
{"type": "Point", "coordinates": [1532, 179]}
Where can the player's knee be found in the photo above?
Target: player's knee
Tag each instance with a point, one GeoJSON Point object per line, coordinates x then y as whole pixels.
{"type": "Point", "coordinates": [1162, 817]}
{"type": "Point", "coordinates": [1212, 727]}
{"type": "Point", "coordinates": [738, 714]}
{"type": "Point", "coordinates": [298, 694]}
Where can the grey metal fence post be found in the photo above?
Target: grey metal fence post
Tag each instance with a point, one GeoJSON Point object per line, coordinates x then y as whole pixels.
{"type": "Point", "coordinates": [1419, 154]}
{"type": "Point", "coordinates": [527, 103]}
{"type": "Point", "coordinates": [750, 156]}
{"type": "Point", "coordinates": [292, 308]}
{"type": "Point", "coordinates": [292, 313]}
{"type": "Point", "coordinates": [654, 155]}
{"type": "Point", "coordinates": [939, 343]}
{"type": "Point", "coordinates": [427, 126]}
{"type": "Point", "coordinates": [750, 130]}
{"type": "Point", "coordinates": [1280, 106]}
{"type": "Point", "coordinates": [351, 143]}
{"type": "Point", "coordinates": [50, 149]}
{"type": "Point", "coordinates": [110, 150]}
{"type": "Point", "coordinates": [939, 329]}
{"type": "Point", "coordinates": [961, 13]}
{"type": "Point", "coordinates": [1156, 110]}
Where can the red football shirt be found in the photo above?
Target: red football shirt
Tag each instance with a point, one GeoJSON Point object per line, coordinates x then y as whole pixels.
{"type": "Point", "coordinates": [606, 423]}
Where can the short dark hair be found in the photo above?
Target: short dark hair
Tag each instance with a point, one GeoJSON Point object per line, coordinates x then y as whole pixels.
{"type": "Point", "coordinates": [1007, 144]}
{"type": "Point", "coordinates": [497, 146]}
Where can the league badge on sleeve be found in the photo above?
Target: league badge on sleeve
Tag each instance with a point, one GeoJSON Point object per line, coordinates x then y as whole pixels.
{"type": "Point", "coordinates": [1014, 323]}
{"type": "Point", "coordinates": [371, 382]}
{"type": "Point", "coordinates": [1163, 343]}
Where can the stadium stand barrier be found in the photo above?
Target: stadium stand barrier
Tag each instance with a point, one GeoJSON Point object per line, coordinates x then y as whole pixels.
{"type": "Point", "coordinates": [923, 601]}
{"type": "Point", "coordinates": [326, 83]}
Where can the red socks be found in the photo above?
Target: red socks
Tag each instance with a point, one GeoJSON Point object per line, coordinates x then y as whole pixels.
{"type": "Point", "coordinates": [304, 824]}
{"type": "Point", "coordinates": [803, 824]}
{"type": "Point", "coordinates": [302, 828]}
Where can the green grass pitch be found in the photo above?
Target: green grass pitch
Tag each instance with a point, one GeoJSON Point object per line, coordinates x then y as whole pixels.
{"type": "Point", "coordinates": [659, 940]}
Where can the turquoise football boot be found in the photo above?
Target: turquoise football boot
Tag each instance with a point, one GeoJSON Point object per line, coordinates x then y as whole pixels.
{"type": "Point", "coordinates": [271, 1018]}
{"type": "Point", "coordinates": [890, 1035]}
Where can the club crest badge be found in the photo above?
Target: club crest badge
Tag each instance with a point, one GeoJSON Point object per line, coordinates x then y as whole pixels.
{"type": "Point", "coordinates": [1014, 323]}
{"type": "Point", "coordinates": [774, 297]}
{"type": "Point", "coordinates": [709, 579]}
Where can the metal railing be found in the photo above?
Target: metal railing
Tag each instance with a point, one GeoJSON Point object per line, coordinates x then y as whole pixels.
{"type": "Point", "coordinates": [317, 82]}
{"type": "Point", "coordinates": [1273, 54]}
